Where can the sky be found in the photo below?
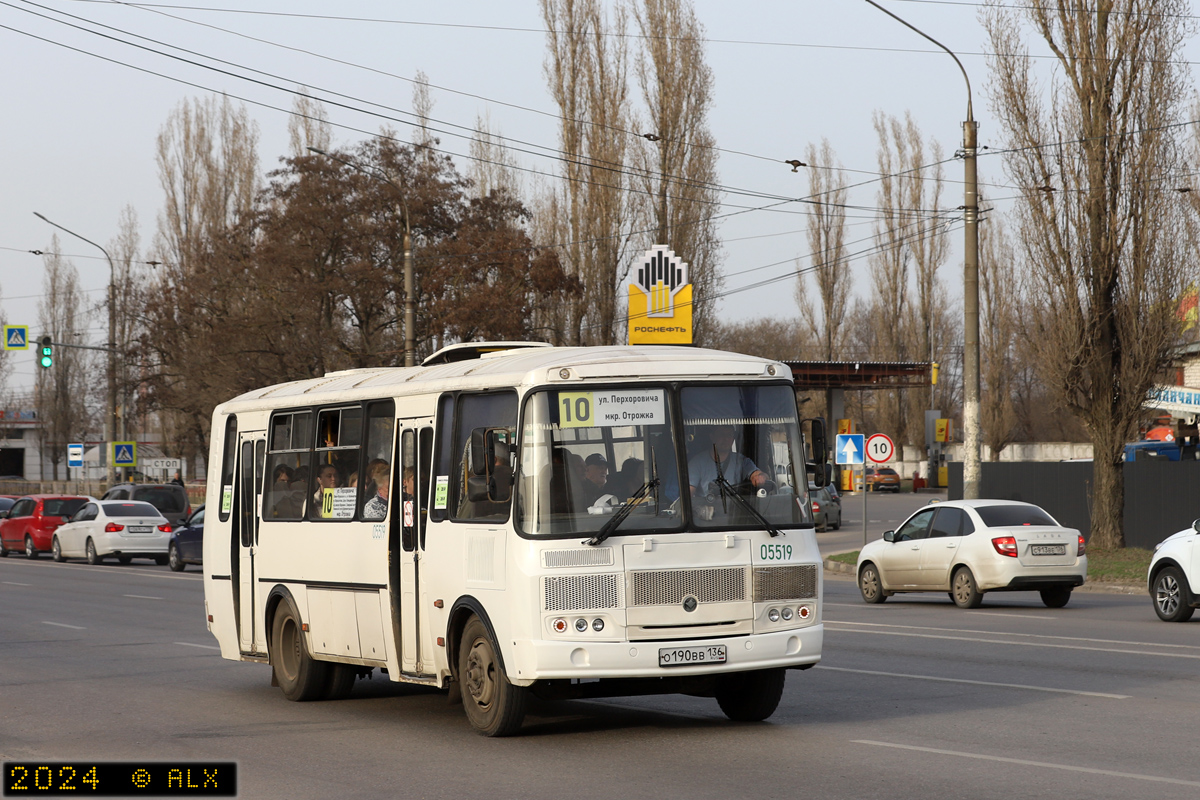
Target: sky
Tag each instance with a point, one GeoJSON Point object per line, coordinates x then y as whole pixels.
{"type": "Point", "coordinates": [81, 111]}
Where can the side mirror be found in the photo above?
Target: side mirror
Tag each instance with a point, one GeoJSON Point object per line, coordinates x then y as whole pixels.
{"type": "Point", "coordinates": [1195, 525]}
{"type": "Point", "coordinates": [3, 514]}
{"type": "Point", "coordinates": [889, 536]}
{"type": "Point", "coordinates": [491, 475]}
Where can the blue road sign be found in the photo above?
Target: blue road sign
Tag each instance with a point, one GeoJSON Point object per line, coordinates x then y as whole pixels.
{"type": "Point", "coordinates": [849, 448]}
{"type": "Point", "coordinates": [16, 337]}
{"type": "Point", "coordinates": [124, 454]}
{"type": "Point", "coordinates": [75, 455]}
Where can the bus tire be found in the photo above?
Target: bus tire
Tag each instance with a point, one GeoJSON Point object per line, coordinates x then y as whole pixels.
{"type": "Point", "coordinates": [340, 681]}
{"type": "Point", "coordinates": [750, 696]}
{"type": "Point", "coordinates": [300, 676]}
{"type": "Point", "coordinates": [494, 706]}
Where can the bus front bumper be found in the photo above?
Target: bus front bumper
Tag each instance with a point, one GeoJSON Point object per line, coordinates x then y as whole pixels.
{"type": "Point", "coordinates": [534, 660]}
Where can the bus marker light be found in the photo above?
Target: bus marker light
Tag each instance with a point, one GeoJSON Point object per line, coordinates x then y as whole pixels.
{"type": "Point", "coordinates": [804, 612]}
{"type": "Point", "coordinates": [304, 627]}
{"type": "Point", "coordinates": [559, 625]}
{"type": "Point", "coordinates": [210, 617]}
{"type": "Point", "coordinates": [438, 604]}
{"type": "Point", "coordinates": [441, 641]}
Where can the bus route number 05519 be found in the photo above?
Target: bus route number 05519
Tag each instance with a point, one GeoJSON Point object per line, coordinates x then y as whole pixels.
{"type": "Point", "coordinates": [775, 552]}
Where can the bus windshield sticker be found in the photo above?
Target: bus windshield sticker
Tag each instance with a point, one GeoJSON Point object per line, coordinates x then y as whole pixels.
{"type": "Point", "coordinates": [226, 499]}
{"type": "Point", "coordinates": [441, 491]}
{"type": "Point", "coordinates": [343, 502]}
{"type": "Point", "coordinates": [611, 408]}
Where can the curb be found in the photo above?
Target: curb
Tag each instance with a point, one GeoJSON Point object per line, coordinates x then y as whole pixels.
{"type": "Point", "coordinates": [837, 567]}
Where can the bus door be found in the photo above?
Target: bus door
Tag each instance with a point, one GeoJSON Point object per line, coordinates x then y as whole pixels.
{"type": "Point", "coordinates": [416, 449]}
{"type": "Point", "coordinates": [252, 451]}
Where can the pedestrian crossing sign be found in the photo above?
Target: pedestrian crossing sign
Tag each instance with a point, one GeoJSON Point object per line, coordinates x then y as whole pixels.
{"type": "Point", "coordinates": [124, 454]}
{"type": "Point", "coordinates": [16, 337]}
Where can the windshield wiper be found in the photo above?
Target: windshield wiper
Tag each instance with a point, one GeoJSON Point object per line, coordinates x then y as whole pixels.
{"type": "Point", "coordinates": [623, 512]}
{"type": "Point", "coordinates": [727, 488]}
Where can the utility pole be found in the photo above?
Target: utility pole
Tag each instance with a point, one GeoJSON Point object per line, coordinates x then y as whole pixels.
{"type": "Point", "coordinates": [971, 467]}
{"type": "Point", "coordinates": [110, 417]}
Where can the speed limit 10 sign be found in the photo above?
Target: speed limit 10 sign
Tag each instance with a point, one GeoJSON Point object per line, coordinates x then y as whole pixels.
{"type": "Point", "coordinates": [880, 448]}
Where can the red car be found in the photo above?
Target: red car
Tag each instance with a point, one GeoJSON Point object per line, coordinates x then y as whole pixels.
{"type": "Point", "coordinates": [30, 524]}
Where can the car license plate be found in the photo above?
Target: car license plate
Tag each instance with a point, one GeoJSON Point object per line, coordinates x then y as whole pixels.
{"type": "Point", "coordinates": [1048, 549]}
{"type": "Point", "coordinates": [139, 528]}
{"type": "Point", "coordinates": [686, 656]}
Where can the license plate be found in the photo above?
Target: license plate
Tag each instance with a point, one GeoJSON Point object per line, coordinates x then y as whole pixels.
{"type": "Point", "coordinates": [139, 528]}
{"type": "Point", "coordinates": [686, 656]}
{"type": "Point", "coordinates": [1048, 549]}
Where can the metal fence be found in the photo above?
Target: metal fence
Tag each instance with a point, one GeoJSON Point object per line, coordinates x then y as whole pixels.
{"type": "Point", "coordinates": [1161, 497]}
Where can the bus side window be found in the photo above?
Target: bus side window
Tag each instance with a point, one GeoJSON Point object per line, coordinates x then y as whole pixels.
{"type": "Point", "coordinates": [485, 426]}
{"type": "Point", "coordinates": [424, 463]}
{"type": "Point", "coordinates": [376, 479]}
{"type": "Point", "coordinates": [287, 467]}
{"type": "Point", "coordinates": [228, 459]}
{"type": "Point", "coordinates": [439, 486]}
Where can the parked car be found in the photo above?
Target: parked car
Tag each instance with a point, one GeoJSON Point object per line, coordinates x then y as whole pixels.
{"type": "Point", "coordinates": [1174, 576]}
{"type": "Point", "coordinates": [126, 529]}
{"type": "Point", "coordinates": [187, 542]}
{"type": "Point", "coordinates": [30, 523]}
{"type": "Point", "coordinates": [971, 547]}
{"type": "Point", "coordinates": [827, 512]}
{"type": "Point", "coordinates": [169, 498]}
{"type": "Point", "coordinates": [7, 500]}
{"type": "Point", "coordinates": [882, 479]}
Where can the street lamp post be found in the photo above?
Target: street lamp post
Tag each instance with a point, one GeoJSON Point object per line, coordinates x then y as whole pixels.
{"type": "Point", "coordinates": [110, 422]}
{"type": "Point", "coordinates": [409, 314]}
{"type": "Point", "coordinates": [971, 468]}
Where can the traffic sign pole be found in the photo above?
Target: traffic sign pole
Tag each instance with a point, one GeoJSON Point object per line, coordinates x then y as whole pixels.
{"type": "Point", "coordinates": [864, 474]}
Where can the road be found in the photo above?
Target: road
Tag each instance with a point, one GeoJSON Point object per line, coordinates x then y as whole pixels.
{"type": "Point", "coordinates": [885, 512]}
{"type": "Point", "coordinates": [914, 698]}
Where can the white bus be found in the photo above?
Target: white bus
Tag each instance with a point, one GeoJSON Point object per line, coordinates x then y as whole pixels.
{"type": "Point", "coordinates": [515, 519]}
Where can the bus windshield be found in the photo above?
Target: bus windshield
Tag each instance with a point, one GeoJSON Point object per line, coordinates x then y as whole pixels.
{"type": "Point", "coordinates": [586, 453]}
{"type": "Point", "coordinates": [743, 444]}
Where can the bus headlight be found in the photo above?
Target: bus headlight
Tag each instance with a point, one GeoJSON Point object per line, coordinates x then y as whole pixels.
{"type": "Point", "coordinates": [581, 625]}
{"type": "Point", "coordinates": [773, 615]}
{"type": "Point", "coordinates": [597, 624]}
{"type": "Point", "coordinates": [787, 614]}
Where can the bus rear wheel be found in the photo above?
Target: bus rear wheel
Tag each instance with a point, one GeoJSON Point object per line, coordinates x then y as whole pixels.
{"type": "Point", "coordinates": [494, 706]}
{"type": "Point", "coordinates": [750, 696]}
{"type": "Point", "coordinates": [299, 675]}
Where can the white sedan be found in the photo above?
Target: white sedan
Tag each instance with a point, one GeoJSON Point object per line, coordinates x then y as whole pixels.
{"type": "Point", "coordinates": [969, 547]}
{"type": "Point", "coordinates": [126, 529]}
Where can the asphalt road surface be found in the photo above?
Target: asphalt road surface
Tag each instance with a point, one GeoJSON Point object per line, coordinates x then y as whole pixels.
{"type": "Point", "coordinates": [914, 699]}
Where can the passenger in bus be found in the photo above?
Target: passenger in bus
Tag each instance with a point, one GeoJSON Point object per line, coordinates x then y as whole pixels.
{"type": "Point", "coordinates": [282, 475]}
{"type": "Point", "coordinates": [287, 496]}
{"type": "Point", "coordinates": [595, 473]}
{"type": "Point", "coordinates": [327, 478]}
{"type": "Point", "coordinates": [378, 477]}
{"type": "Point", "coordinates": [737, 468]}
{"type": "Point", "coordinates": [628, 479]}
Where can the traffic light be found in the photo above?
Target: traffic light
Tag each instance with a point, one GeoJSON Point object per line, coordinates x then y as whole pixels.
{"type": "Point", "coordinates": [47, 359]}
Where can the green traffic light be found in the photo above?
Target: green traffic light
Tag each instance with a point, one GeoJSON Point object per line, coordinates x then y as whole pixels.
{"type": "Point", "coordinates": [47, 359]}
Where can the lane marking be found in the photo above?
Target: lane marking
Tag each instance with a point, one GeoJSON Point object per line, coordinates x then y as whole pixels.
{"type": "Point", "coordinates": [1026, 763]}
{"type": "Point", "coordinates": [14, 583]}
{"type": "Point", "coordinates": [141, 597]}
{"type": "Point", "coordinates": [1030, 635]}
{"type": "Point", "coordinates": [203, 646]}
{"type": "Point", "coordinates": [1024, 644]}
{"type": "Point", "coordinates": [862, 606]}
{"type": "Point", "coordinates": [64, 625]}
{"type": "Point", "coordinates": [977, 683]}
{"type": "Point", "coordinates": [1032, 615]}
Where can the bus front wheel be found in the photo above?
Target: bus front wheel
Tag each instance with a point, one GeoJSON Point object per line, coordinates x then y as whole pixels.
{"type": "Point", "coordinates": [298, 674]}
{"type": "Point", "coordinates": [494, 706]}
{"type": "Point", "coordinates": [750, 696]}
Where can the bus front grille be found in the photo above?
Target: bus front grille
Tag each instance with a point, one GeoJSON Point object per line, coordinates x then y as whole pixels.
{"type": "Point", "coordinates": [581, 592]}
{"type": "Point", "coordinates": [796, 582]}
{"type": "Point", "coordinates": [670, 587]}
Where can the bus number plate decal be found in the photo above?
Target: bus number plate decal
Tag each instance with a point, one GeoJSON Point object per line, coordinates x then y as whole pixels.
{"type": "Point", "coordinates": [775, 552]}
{"type": "Point", "coordinates": [611, 408]}
{"type": "Point", "coordinates": [686, 656]}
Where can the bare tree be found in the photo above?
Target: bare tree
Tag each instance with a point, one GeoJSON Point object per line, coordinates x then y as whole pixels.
{"type": "Point", "coordinates": [586, 67]}
{"type": "Point", "coordinates": [1098, 226]}
{"type": "Point", "coordinates": [61, 391]}
{"type": "Point", "coordinates": [829, 270]}
{"type": "Point", "coordinates": [308, 125]}
{"type": "Point", "coordinates": [492, 165]}
{"type": "Point", "coordinates": [677, 165]}
{"type": "Point", "coordinates": [129, 282]}
{"type": "Point", "coordinates": [999, 317]}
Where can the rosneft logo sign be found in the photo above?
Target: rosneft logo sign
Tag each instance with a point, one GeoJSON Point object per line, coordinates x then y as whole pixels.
{"type": "Point", "coordinates": [660, 300]}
